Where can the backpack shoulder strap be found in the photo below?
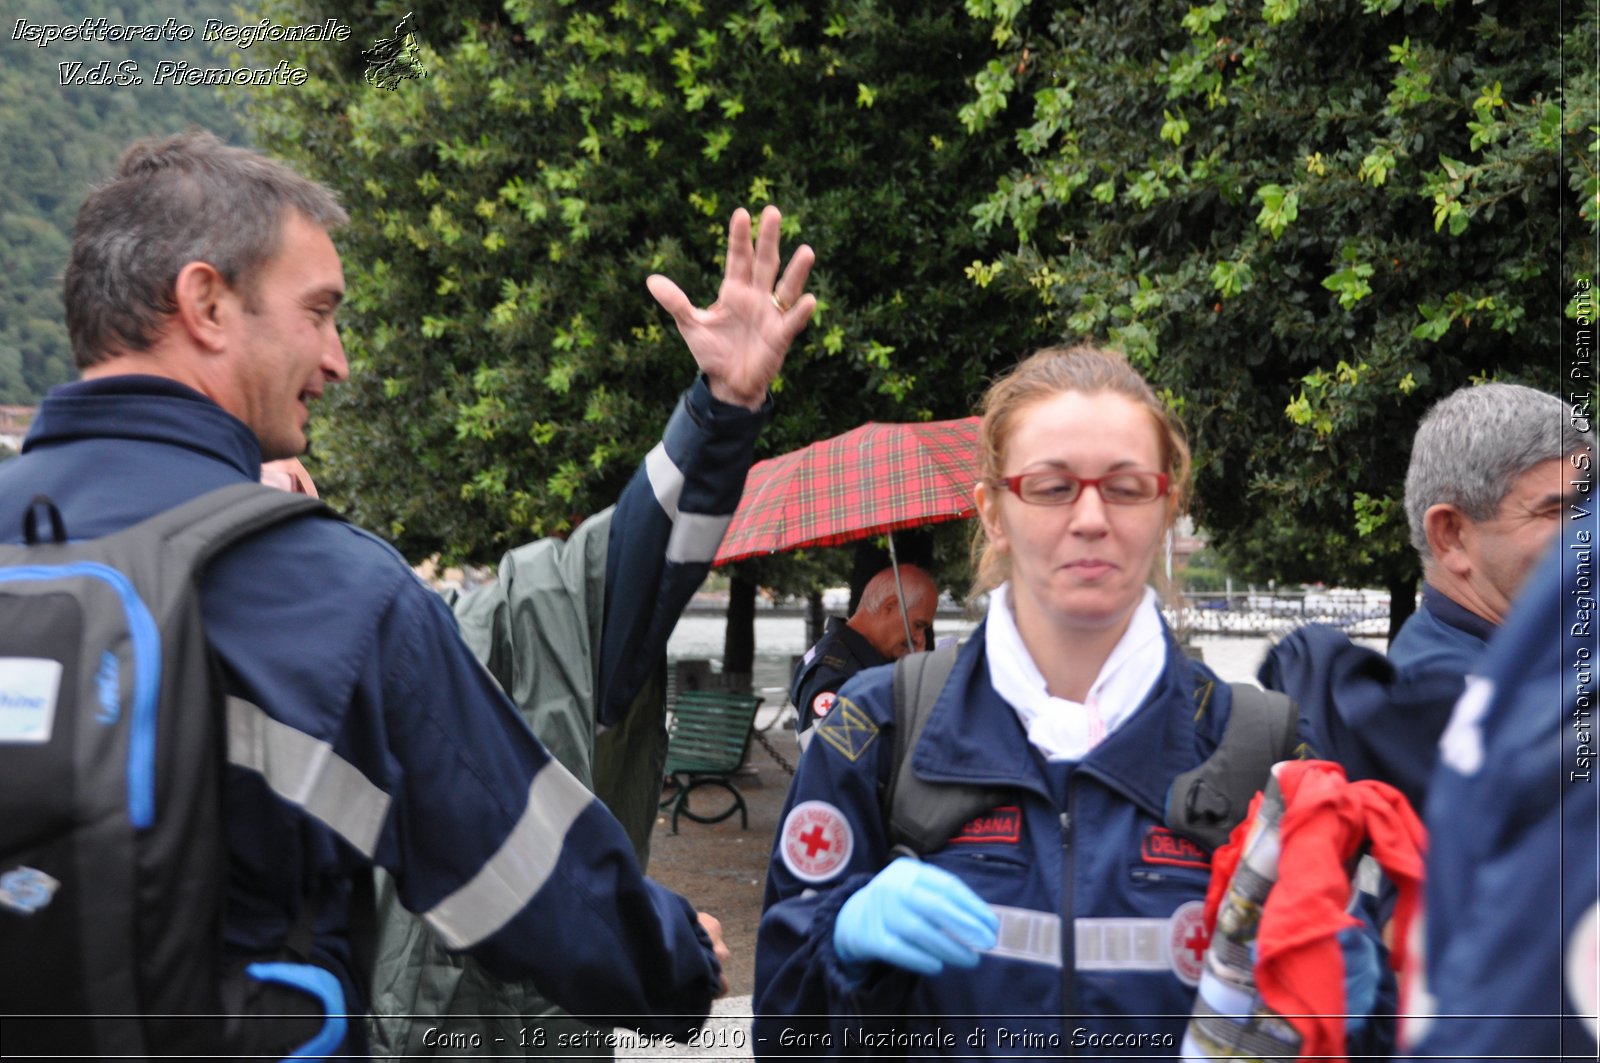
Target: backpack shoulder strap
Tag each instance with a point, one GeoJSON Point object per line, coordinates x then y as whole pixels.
{"type": "Point", "coordinates": [1208, 801]}
{"type": "Point", "coordinates": [921, 816]}
{"type": "Point", "coordinates": [200, 529]}
{"type": "Point", "coordinates": [918, 679]}
{"type": "Point", "coordinates": [205, 525]}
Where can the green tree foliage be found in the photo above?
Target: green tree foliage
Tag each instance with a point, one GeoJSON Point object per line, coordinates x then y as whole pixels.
{"type": "Point", "coordinates": [57, 140]}
{"type": "Point", "coordinates": [1307, 220]}
{"type": "Point", "coordinates": [509, 368]}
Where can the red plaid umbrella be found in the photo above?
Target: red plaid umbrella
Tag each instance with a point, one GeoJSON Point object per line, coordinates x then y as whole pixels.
{"type": "Point", "coordinates": [873, 479]}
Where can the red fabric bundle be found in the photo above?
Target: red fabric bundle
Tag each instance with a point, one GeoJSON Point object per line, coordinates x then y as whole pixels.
{"type": "Point", "coordinates": [1326, 819]}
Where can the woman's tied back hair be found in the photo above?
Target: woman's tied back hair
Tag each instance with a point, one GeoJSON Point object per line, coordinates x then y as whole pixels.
{"type": "Point", "coordinates": [172, 201]}
{"type": "Point", "coordinates": [1042, 375]}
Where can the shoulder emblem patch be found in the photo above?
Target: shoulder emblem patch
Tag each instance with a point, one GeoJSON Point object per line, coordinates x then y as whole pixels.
{"type": "Point", "coordinates": [816, 841]}
{"type": "Point", "coordinates": [848, 729]}
{"type": "Point", "coordinates": [1163, 846]}
{"type": "Point", "coordinates": [822, 703]}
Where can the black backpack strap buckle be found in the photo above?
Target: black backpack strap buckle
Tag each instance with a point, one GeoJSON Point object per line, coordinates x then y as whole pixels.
{"type": "Point", "coordinates": [41, 505]}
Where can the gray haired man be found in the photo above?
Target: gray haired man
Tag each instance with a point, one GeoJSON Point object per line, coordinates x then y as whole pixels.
{"type": "Point", "coordinates": [1489, 478]}
{"type": "Point", "coordinates": [1491, 474]}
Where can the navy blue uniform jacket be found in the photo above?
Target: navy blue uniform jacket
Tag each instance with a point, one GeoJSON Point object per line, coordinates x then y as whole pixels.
{"type": "Point", "coordinates": [1514, 834]}
{"type": "Point", "coordinates": [840, 653]}
{"type": "Point", "coordinates": [1381, 717]}
{"type": "Point", "coordinates": [363, 732]}
{"type": "Point", "coordinates": [1082, 850]}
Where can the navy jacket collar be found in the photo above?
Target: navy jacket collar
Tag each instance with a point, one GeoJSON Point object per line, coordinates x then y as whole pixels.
{"type": "Point", "coordinates": [168, 412]}
{"type": "Point", "coordinates": [863, 651]}
{"type": "Point", "coordinates": [1449, 611]}
{"type": "Point", "coordinates": [973, 735]}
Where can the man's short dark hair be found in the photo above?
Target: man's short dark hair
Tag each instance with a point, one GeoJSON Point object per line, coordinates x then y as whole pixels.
{"type": "Point", "coordinates": [172, 201]}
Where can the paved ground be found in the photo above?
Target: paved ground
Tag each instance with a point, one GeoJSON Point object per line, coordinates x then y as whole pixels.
{"type": "Point", "coordinates": [726, 1035]}
{"type": "Point", "coordinates": [721, 868]}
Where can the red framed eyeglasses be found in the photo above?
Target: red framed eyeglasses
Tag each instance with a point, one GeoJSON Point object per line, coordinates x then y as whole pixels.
{"type": "Point", "coordinates": [1052, 487]}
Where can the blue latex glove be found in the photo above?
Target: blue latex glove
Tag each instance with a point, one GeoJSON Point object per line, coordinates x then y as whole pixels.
{"type": "Point", "coordinates": [1361, 975]}
{"type": "Point", "coordinates": [915, 916]}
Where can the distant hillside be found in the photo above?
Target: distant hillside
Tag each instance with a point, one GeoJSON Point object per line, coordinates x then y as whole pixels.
{"type": "Point", "coordinates": [56, 141]}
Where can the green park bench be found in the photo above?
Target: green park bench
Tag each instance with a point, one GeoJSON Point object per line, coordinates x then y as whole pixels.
{"type": "Point", "coordinates": [706, 744]}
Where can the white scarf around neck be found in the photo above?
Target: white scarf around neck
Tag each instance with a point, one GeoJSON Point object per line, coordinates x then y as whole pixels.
{"type": "Point", "coordinates": [1063, 729]}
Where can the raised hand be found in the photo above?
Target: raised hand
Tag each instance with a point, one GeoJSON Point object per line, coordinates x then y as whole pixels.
{"type": "Point", "coordinates": [740, 340]}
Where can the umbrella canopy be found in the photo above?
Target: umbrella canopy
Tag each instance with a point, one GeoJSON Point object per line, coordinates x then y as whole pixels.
{"type": "Point", "coordinates": [873, 479]}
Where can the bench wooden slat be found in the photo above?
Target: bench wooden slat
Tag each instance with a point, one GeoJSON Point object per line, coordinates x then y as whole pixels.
{"type": "Point", "coordinates": [706, 744]}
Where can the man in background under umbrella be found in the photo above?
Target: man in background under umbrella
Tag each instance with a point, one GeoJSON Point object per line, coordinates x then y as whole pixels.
{"type": "Point", "coordinates": [878, 632]}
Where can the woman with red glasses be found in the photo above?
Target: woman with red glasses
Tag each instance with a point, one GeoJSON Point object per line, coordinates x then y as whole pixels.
{"type": "Point", "coordinates": [1066, 918]}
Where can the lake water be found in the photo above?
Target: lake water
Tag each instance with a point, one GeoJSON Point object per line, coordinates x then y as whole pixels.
{"type": "Point", "coordinates": [778, 638]}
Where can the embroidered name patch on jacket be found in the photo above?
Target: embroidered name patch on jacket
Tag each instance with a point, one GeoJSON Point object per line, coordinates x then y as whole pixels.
{"type": "Point", "coordinates": [1162, 846]}
{"type": "Point", "coordinates": [1003, 824]}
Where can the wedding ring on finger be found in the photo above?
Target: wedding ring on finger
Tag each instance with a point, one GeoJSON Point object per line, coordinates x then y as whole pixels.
{"type": "Point", "coordinates": [783, 308]}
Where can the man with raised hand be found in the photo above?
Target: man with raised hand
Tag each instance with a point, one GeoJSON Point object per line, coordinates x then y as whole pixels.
{"type": "Point", "coordinates": [201, 295]}
{"type": "Point", "coordinates": [576, 631]}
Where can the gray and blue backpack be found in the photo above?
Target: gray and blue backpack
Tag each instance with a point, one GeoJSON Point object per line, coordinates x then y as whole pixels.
{"type": "Point", "coordinates": [113, 866]}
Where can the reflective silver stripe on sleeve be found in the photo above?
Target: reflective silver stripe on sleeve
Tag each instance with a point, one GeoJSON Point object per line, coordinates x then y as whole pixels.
{"type": "Point", "coordinates": [666, 479]}
{"type": "Point", "coordinates": [1025, 934]}
{"type": "Point", "coordinates": [1121, 944]}
{"type": "Point", "coordinates": [524, 862]}
{"type": "Point", "coordinates": [695, 537]}
{"type": "Point", "coordinates": [306, 772]}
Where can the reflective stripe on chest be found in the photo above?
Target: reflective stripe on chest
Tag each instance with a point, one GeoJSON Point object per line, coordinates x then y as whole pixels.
{"type": "Point", "coordinates": [1176, 943]}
